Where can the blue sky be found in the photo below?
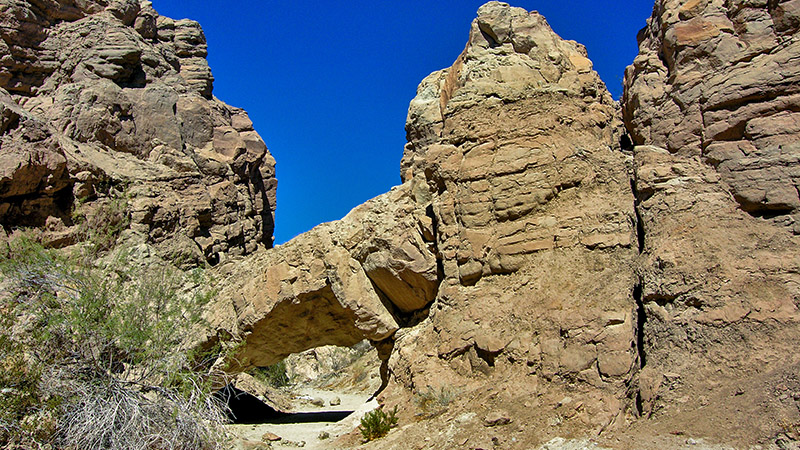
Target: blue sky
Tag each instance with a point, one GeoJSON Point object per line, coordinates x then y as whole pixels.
{"type": "Point", "coordinates": [327, 84]}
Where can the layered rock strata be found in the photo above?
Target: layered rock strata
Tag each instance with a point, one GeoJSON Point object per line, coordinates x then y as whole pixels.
{"type": "Point", "coordinates": [713, 96]}
{"type": "Point", "coordinates": [534, 275]}
{"type": "Point", "coordinates": [582, 285]}
{"type": "Point", "coordinates": [518, 146]}
{"type": "Point", "coordinates": [102, 98]}
{"type": "Point", "coordinates": [358, 278]}
{"type": "Point", "coordinates": [720, 80]}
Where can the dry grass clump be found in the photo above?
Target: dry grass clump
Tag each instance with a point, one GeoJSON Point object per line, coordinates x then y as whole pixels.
{"type": "Point", "coordinates": [90, 354]}
{"type": "Point", "coordinates": [432, 402]}
{"type": "Point", "coordinates": [117, 417]}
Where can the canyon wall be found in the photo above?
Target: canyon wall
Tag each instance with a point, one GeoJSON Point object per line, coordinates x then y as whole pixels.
{"type": "Point", "coordinates": [712, 99]}
{"type": "Point", "coordinates": [107, 100]}
{"type": "Point", "coordinates": [576, 267]}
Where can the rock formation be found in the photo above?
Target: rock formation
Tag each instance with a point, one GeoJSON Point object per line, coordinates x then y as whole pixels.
{"type": "Point", "coordinates": [556, 263]}
{"type": "Point", "coordinates": [519, 145]}
{"type": "Point", "coordinates": [342, 282]}
{"type": "Point", "coordinates": [516, 219]}
{"type": "Point", "coordinates": [713, 96]}
{"type": "Point", "coordinates": [720, 81]}
{"type": "Point", "coordinates": [104, 98]}
{"type": "Point", "coordinates": [635, 282]}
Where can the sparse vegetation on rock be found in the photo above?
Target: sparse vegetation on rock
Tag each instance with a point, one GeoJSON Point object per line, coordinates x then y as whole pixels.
{"type": "Point", "coordinates": [92, 354]}
{"type": "Point", "coordinates": [434, 401]}
{"type": "Point", "coordinates": [274, 375]}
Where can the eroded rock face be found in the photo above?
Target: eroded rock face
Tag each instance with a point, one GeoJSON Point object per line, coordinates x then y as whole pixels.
{"type": "Point", "coordinates": [721, 80]}
{"type": "Point", "coordinates": [99, 97]}
{"type": "Point", "coordinates": [517, 141]}
{"type": "Point", "coordinates": [517, 145]}
{"type": "Point", "coordinates": [532, 279]}
{"type": "Point", "coordinates": [515, 222]}
{"type": "Point", "coordinates": [713, 98]}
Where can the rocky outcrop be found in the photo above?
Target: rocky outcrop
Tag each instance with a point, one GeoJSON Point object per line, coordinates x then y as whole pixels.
{"type": "Point", "coordinates": [358, 278]}
{"type": "Point", "coordinates": [101, 99]}
{"type": "Point", "coordinates": [720, 80]}
{"type": "Point", "coordinates": [518, 146]}
{"type": "Point", "coordinates": [713, 97]}
{"type": "Point", "coordinates": [538, 275]}
{"type": "Point", "coordinates": [502, 267]}
{"type": "Point", "coordinates": [535, 274]}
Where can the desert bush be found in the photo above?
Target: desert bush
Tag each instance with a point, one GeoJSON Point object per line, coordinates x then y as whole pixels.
{"type": "Point", "coordinates": [377, 423]}
{"type": "Point", "coordinates": [90, 356]}
{"type": "Point", "coordinates": [432, 402]}
{"type": "Point", "coordinates": [274, 375]}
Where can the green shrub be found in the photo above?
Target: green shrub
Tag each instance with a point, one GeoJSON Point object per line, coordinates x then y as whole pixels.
{"type": "Point", "coordinates": [377, 423]}
{"type": "Point", "coordinates": [89, 355]}
{"type": "Point", "coordinates": [274, 375]}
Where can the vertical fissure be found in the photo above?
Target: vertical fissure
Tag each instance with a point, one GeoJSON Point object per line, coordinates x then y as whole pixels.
{"type": "Point", "coordinates": [641, 320]}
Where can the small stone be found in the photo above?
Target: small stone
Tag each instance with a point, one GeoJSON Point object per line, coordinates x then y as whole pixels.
{"type": "Point", "coordinates": [316, 401]}
{"type": "Point", "coordinates": [496, 418]}
{"type": "Point", "coordinates": [323, 435]}
{"type": "Point", "coordinates": [270, 437]}
{"type": "Point", "coordinates": [691, 441]}
{"type": "Point", "coordinates": [335, 401]}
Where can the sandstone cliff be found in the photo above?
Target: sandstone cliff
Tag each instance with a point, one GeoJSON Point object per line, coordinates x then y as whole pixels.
{"type": "Point", "coordinates": [103, 99]}
{"type": "Point", "coordinates": [504, 260]}
{"type": "Point", "coordinates": [713, 96]}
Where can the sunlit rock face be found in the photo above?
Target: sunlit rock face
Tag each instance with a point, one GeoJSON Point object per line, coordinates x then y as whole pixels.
{"type": "Point", "coordinates": [505, 258]}
{"type": "Point", "coordinates": [358, 278]}
{"type": "Point", "coordinates": [720, 80]}
{"type": "Point", "coordinates": [99, 97]}
{"type": "Point", "coordinates": [535, 274]}
{"type": "Point", "coordinates": [517, 147]}
{"type": "Point", "coordinates": [712, 101]}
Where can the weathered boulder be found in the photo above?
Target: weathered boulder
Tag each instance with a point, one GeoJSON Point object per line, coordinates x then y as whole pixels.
{"type": "Point", "coordinates": [99, 98]}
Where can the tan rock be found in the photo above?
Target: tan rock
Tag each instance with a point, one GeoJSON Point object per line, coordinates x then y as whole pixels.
{"type": "Point", "coordinates": [321, 288]}
{"type": "Point", "coordinates": [711, 75]}
{"type": "Point", "coordinates": [270, 437]}
{"type": "Point", "coordinates": [712, 96]}
{"type": "Point", "coordinates": [518, 145]}
{"type": "Point", "coordinates": [90, 101]}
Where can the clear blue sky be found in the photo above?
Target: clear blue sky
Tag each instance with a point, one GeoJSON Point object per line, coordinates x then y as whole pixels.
{"type": "Point", "coordinates": [327, 83]}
